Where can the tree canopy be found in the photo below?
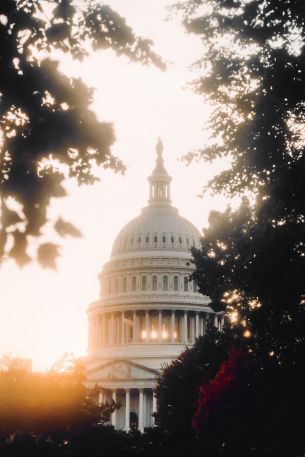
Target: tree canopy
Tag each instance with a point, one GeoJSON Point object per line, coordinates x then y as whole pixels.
{"type": "Point", "coordinates": [48, 131]}
{"type": "Point", "coordinates": [252, 261]}
{"type": "Point", "coordinates": [193, 367]}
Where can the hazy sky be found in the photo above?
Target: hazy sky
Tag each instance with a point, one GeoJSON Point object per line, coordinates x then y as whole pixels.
{"type": "Point", "coordinates": [43, 313]}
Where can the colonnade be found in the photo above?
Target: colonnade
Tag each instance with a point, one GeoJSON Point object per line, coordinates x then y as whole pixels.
{"type": "Point", "coordinates": [141, 402]}
{"type": "Point", "coordinates": [149, 326]}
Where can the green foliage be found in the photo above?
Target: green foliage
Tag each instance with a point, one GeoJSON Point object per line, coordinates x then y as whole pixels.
{"type": "Point", "coordinates": [48, 131]}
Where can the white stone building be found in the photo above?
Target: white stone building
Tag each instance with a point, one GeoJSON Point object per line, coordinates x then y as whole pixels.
{"type": "Point", "coordinates": [148, 310]}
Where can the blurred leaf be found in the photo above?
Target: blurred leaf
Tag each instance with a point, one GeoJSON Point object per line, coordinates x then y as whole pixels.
{"type": "Point", "coordinates": [64, 228]}
{"type": "Point", "coordinates": [47, 254]}
{"type": "Point", "coordinates": [18, 251]}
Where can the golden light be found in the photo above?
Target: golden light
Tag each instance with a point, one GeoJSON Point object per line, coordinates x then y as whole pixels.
{"type": "Point", "coordinates": [134, 98]}
{"type": "Point", "coordinates": [154, 335]}
{"type": "Point", "coordinates": [165, 334]}
{"type": "Point", "coordinates": [254, 304]}
{"type": "Point", "coordinates": [234, 317]}
{"type": "Point", "coordinates": [247, 333]}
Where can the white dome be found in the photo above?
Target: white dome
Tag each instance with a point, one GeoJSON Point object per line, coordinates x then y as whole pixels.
{"type": "Point", "coordinates": [158, 227]}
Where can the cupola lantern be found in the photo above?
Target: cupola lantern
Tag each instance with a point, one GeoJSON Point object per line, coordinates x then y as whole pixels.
{"type": "Point", "coordinates": [159, 181]}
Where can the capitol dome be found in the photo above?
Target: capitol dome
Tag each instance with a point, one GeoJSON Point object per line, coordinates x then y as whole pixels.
{"type": "Point", "coordinates": [148, 310]}
{"type": "Point", "coordinates": [157, 228]}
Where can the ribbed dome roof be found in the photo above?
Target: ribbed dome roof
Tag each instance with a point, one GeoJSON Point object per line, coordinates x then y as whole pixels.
{"type": "Point", "coordinates": [158, 227]}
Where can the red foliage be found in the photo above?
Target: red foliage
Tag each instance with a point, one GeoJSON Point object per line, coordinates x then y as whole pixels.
{"type": "Point", "coordinates": [223, 391]}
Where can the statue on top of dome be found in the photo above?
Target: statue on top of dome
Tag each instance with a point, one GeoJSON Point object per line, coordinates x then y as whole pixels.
{"type": "Point", "coordinates": [159, 147]}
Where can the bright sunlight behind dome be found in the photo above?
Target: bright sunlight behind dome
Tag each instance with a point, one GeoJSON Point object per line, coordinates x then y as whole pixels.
{"type": "Point", "coordinates": [43, 312]}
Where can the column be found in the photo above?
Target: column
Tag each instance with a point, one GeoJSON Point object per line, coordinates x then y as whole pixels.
{"type": "Point", "coordinates": [135, 327]}
{"type": "Point", "coordinates": [106, 333]}
{"type": "Point", "coordinates": [112, 327]}
{"type": "Point", "coordinates": [101, 397]}
{"type": "Point", "coordinates": [127, 411]}
{"type": "Point", "coordinates": [160, 326]}
{"type": "Point", "coordinates": [122, 328]}
{"type": "Point", "coordinates": [185, 327]}
{"type": "Point", "coordinates": [154, 406]}
{"type": "Point", "coordinates": [204, 323]}
{"type": "Point", "coordinates": [197, 328]}
{"type": "Point", "coordinates": [173, 326]}
{"type": "Point", "coordinates": [102, 329]}
{"type": "Point", "coordinates": [98, 330]}
{"type": "Point", "coordinates": [113, 415]}
{"type": "Point", "coordinates": [193, 331]}
{"type": "Point", "coordinates": [147, 325]}
{"type": "Point", "coordinates": [141, 410]}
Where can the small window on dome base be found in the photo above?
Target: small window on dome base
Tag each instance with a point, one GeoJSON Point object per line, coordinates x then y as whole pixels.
{"type": "Point", "coordinates": [186, 284]}
{"type": "Point", "coordinates": [154, 283]}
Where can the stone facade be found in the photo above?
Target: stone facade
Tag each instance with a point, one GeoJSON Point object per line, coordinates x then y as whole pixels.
{"type": "Point", "coordinates": [148, 310]}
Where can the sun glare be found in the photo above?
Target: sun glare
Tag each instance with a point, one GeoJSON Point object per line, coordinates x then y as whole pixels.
{"type": "Point", "coordinates": [43, 313]}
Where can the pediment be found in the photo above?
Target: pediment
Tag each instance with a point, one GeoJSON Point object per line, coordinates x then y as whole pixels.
{"type": "Point", "coordinates": [120, 370]}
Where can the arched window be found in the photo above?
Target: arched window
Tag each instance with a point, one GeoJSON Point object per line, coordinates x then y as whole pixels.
{"type": "Point", "coordinates": [172, 239]}
{"type": "Point", "coordinates": [165, 282]}
{"type": "Point", "coordinates": [147, 239]}
{"type": "Point", "coordinates": [133, 284]}
{"type": "Point", "coordinates": [117, 286]}
{"type": "Point", "coordinates": [163, 239]}
{"type": "Point", "coordinates": [195, 287]}
{"type": "Point", "coordinates": [139, 239]}
{"type": "Point", "coordinates": [155, 239]}
{"type": "Point", "coordinates": [175, 283]}
{"type": "Point", "coordinates": [143, 282]}
{"type": "Point", "coordinates": [154, 283]}
{"type": "Point", "coordinates": [125, 284]}
{"type": "Point", "coordinates": [180, 240]}
{"type": "Point", "coordinates": [186, 284]}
